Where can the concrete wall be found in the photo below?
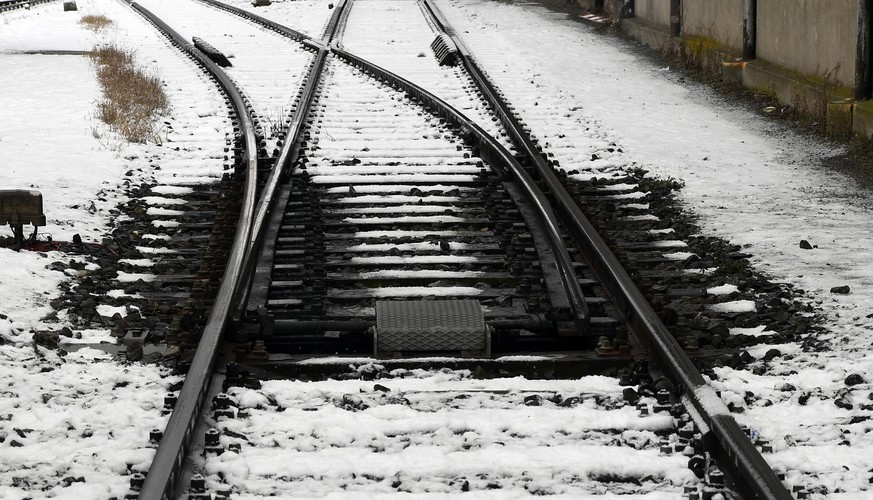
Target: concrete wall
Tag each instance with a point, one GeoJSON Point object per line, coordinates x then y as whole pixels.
{"type": "Point", "coordinates": [656, 12]}
{"type": "Point", "coordinates": [811, 37]}
{"type": "Point", "coordinates": [719, 20]}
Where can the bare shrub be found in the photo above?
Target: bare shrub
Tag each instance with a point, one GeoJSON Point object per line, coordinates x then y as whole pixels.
{"type": "Point", "coordinates": [132, 100]}
{"type": "Point", "coordinates": [95, 23]}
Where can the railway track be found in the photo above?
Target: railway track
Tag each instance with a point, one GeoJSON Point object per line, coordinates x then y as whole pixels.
{"type": "Point", "coordinates": [7, 5]}
{"type": "Point", "coordinates": [385, 203]}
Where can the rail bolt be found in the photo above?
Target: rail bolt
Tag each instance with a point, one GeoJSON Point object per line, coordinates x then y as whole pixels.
{"type": "Point", "coordinates": [198, 484]}
{"type": "Point", "coordinates": [665, 448]}
{"type": "Point", "coordinates": [222, 401]}
{"type": "Point", "coordinates": [169, 402]}
{"type": "Point", "coordinates": [155, 436]}
{"type": "Point", "coordinates": [136, 481]}
{"type": "Point", "coordinates": [716, 477]}
{"type": "Point", "coordinates": [625, 378]}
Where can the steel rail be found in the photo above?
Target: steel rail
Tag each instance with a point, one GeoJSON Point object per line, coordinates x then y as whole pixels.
{"type": "Point", "coordinates": [284, 30]}
{"type": "Point", "coordinates": [8, 5]}
{"type": "Point", "coordinates": [489, 146]}
{"type": "Point", "coordinates": [162, 480]}
{"type": "Point", "coordinates": [294, 133]}
{"type": "Point", "coordinates": [493, 152]}
{"type": "Point", "coordinates": [754, 474]}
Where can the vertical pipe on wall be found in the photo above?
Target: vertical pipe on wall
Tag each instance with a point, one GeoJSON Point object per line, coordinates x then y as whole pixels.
{"type": "Point", "coordinates": [863, 70]}
{"type": "Point", "coordinates": [675, 17]}
{"type": "Point", "coordinates": [750, 28]}
{"type": "Point", "coordinates": [629, 8]}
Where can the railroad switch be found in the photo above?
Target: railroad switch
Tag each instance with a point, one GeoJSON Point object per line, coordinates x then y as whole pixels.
{"type": "Point", "coordinates": [19, 207]}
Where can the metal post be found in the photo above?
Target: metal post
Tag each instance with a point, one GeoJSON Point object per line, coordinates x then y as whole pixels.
{"type": "Point", "coordinates": [676, 17]}
{"type": "Point", "coordinates": [863, 63]}
{"type": "Point", "coordinates": [750, 28]}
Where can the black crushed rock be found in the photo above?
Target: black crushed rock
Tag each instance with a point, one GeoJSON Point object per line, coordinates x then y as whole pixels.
{"type": "Point", "coordinates": [672, 287]}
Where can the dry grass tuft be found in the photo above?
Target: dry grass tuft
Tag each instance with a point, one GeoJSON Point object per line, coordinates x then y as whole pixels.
{"type": "Point", "coordinates": [132, 100]}
{"type": "Point", "coordinates": [95, 23]}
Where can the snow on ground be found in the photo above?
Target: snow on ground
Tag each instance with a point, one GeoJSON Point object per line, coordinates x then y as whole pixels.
{"type": "Point", "coordinates": [306, 16]}
{"type": "Point", "coordinates": [431, 434]}
{"type": "Point", "coordinates": [751, 181]}
{"type": "Point", "coordinates": [76, 424]}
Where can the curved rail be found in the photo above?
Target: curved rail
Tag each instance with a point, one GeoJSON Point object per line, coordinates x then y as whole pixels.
{"type": "Point", "coordinates": [284, 30]}
{"type": "Point", "coordinates": [496, 155]}
{"type": "Point", "coordinates": [490, 149]}
{"type": "Point", "coordinates": [294, 131]}
{"type": "Point", "coordinates": [754, 474]}
{"type": "Point", "coordinates": [163, 475]}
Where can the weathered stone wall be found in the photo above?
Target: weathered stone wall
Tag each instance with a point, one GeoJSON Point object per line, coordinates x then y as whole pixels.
{"type": "Point", "coordinates": [655, 12]}
{"type": "Point", "coordinates": [812, 37]}
{"type": "Point", "coordinates": [718, 20]}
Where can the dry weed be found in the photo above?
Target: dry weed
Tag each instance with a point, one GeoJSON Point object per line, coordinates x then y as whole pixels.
{"type": "Point", "coordinates": [95, 23]}
{"type": "Point", "coordinates": [132, 100]}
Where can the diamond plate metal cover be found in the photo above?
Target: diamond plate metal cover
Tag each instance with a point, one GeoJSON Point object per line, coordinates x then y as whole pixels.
{"type": "Point", "coordinates": [430, 325]}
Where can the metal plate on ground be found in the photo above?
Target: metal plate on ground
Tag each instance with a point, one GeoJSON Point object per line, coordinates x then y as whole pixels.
{"type": "Point", "coordinates": [430, 326]}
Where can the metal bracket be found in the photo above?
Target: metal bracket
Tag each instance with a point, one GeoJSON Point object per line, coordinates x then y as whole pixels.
{"type": "Point", "coordinates": [19, 207]}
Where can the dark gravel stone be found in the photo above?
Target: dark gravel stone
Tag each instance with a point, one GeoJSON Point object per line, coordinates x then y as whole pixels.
{"type": "Point", "coordinates": [47, 339]}
{"type": "Point", "coordinates": [381, 388]}
{"type": "Point", "coordinates": [669, 316]}
{"type": "Point", "coordinates": [854, 379]}
{"type": "Point", "coordinates": [842, 403]}
{"type": "Point", "coordinates": [533, 400]}
{"type": "Point", "coordinates": [630, 395]}
{"type": "Point", "coordinates": [805, 245]}
{"type": "Point", "coordinates": [719, 329]}
{"type": "Point", "coordinates": [840, 289]}
{"type": "Point", "coordinates": [772, 354]}
{"type": "Point", "coordinates": [570, 402]}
